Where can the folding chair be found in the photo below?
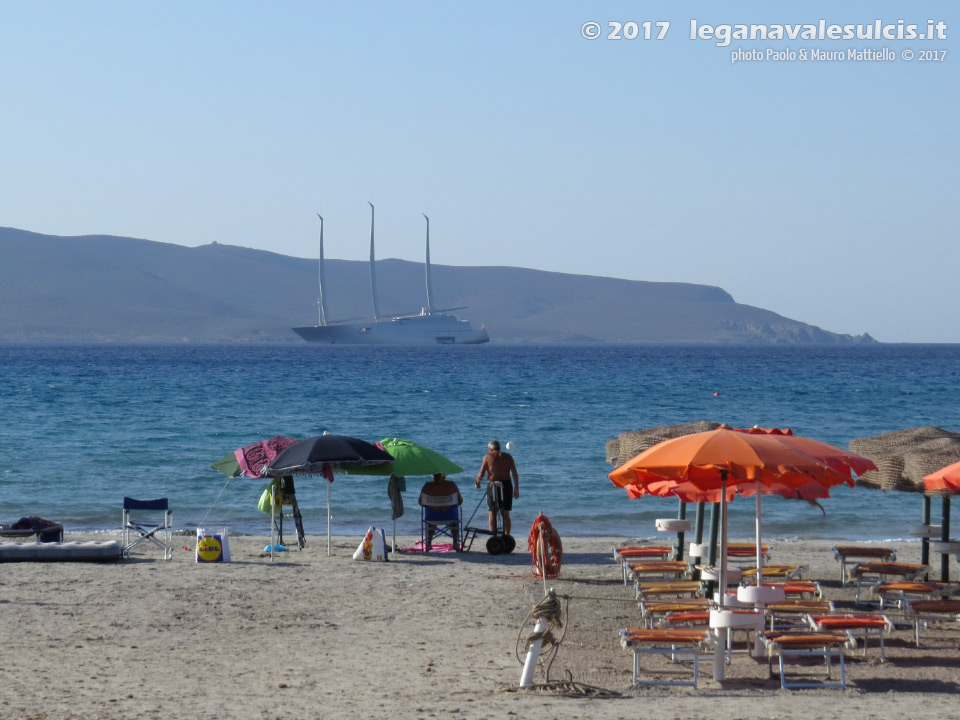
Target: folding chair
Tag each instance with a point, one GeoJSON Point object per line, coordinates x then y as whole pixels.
{"type": "Point", "coordinates": [160, 534]}
{"type": "Point", "coordinates": [437, 523]}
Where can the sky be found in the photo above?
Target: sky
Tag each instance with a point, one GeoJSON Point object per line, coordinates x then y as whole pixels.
{"type": "Point", "coordinates": [823, 190]}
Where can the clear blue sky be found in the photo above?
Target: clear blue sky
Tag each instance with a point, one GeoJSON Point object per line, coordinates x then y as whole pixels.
{"type": "Point", "coordinates": [826, 192]}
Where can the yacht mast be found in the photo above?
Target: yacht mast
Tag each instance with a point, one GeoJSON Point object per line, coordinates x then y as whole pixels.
{"type": "Point", "coordinates": [321, 303]}
{"type": "Point", "coordinates": [427, 266]}
{"type": "Point", "coordinates": [373, 269]}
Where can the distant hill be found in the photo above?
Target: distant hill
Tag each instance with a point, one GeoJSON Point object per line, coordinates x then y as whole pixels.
{"type": "Point", "coordinates": [104, 288]}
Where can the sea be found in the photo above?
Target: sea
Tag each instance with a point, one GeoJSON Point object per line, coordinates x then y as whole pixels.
{"type": "Point", "coordinates": [83, 425]}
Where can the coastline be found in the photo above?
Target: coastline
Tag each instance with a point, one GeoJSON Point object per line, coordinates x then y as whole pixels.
{"type": "Point", "coordinates": [312, 635]}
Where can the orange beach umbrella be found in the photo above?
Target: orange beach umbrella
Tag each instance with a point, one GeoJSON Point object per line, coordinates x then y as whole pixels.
{"type": "Point", "coordinates": [945, 479]}
{"type": "Point", "coordinates": [724, 458]}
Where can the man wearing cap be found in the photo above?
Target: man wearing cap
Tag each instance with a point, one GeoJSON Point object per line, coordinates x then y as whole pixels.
{"type": "Point", "coordinates": [501, 473]}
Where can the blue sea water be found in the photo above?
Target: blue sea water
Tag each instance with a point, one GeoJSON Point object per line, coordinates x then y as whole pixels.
{"type": "Point", "coordinates": [81, 426]}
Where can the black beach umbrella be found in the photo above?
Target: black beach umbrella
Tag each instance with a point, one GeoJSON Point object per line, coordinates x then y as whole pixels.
{"type": "Point", "coordinates": [320, 454]}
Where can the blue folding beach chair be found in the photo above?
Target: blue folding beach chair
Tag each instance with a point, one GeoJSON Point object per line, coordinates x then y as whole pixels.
{"type": "Point", "coordinates": [436, 523]}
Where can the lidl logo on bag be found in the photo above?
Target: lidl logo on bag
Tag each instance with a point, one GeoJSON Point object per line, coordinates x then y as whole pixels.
{"type": "Point", "coordinates": [209, 549]}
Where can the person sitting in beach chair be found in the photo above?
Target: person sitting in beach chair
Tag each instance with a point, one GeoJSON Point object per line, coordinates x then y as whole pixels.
{"type": "Point", "coordinates": [440, 502]}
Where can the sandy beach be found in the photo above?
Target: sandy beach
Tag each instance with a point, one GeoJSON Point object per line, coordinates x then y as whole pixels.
{"type": "Point", "coordinates": [317, 636]}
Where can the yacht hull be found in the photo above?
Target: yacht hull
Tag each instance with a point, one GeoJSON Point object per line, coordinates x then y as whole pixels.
{"type": "Point", "coordinates": [438, 329]}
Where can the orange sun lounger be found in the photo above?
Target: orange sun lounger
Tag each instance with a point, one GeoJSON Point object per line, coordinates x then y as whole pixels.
{"type": "Point", "coordinates": [677, 644]}
{"type": "Point", "coordinates": [899, 591]}
{"type": "Point", "coordinates": [787, 572]}
{"type": "Point", "coordinates": [924, 612]}
{"type": "Point", "coordinates": [809, 643]}
{"type": "Point", "coordinates": [844, 554]}
{"type": "Point", "coordinates": [799, 589]}
{"type": "Point", "coordinates": [792, 611]}
{"type": "Point", "coordinates": [638, 569]}
{"type": "Point", "coordinates": [874, 573]}
{"type": "Point", "coordinates": [653, 610]}
{"type": "Point", "coordinates": [857, 624]}
{"type": "Point", "coordinates": [667, 588]}
{"type": "Point", "coordinates": [747, 550]}
{"type": "Point", "coordinates": [624, 554]}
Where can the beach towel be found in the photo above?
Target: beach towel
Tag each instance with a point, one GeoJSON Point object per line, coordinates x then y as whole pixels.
{"type": "Point", "coordinates": [254, 458]}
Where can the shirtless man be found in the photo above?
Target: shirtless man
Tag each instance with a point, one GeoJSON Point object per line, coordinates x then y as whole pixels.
{"type": "Point", "coordinates": [499, 468]}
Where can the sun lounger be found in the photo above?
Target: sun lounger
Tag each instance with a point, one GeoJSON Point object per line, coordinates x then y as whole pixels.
{"type": "Point", "coordinates": [746, 551]}
{"type": "Point", "coordinates": [624, 554]}
{"type": "Point", "coordinates": [844, 554]}
{"type": "Point", "coordinates": [653, 610]}
{"type": "Point", "coordinates": [800, 589]}
{"type": "Point", "coordinates": [648, 569]}
{"type": "Point", "coordinates": [809, 643]}
{"type": "Point", "coordinates": [668, 588]}
{"type": "Point", "coordinates": [899, 591]}
{"type": "Point", "coordinates": [924, 612]}
{"type": "Point", "coordinates": [873, 573]}
{"type": "Point", "coordinates": [733, 620]}
{"type": "Point", "coordinates": [101, 551]}
{"type": "Point", "coordinates": [855, 623]}
{"type": "Point", "coordinates": [786, 572]}
{"type": "Point", "coordinates": [677, 644]}
{"type": "Point", "coordinates": [792, 612]}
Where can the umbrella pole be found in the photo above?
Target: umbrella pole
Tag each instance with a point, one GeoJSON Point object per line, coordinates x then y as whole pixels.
{"type": "Point", "coordinates": [328, 517]}
{"type": "Point", "coordinates": [719, 654]}
{"type": "Point", "coordinates": [681, 515]}
{"type": "Point", "coordinates": [698, 522]}
{"type": "Point", "coordinates": [273, 516]}
{"type": "Point", "coordinates": [945, 536]}
{"type": "Point", "coordinates": [699, 534]}
{"type": "Point", "coordinates": [759, 543]}
{"type": "Point", "coordinates": [712, 555]}
{"type": "Point", "coordinates": [925, 541]}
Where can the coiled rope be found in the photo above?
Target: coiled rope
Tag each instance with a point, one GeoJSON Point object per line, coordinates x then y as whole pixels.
{"type": "Point", "coordinates": [550, 610]}
{"type": "Point", "coordinates": [547, 609]}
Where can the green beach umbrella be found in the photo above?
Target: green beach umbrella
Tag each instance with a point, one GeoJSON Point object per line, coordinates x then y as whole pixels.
{"type": "Point", "coordinates": [409, 459]}
{"type": "Point", "coordinates": [228, 465]}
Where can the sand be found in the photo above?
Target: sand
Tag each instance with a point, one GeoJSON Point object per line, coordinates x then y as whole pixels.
{"type": "Point", "coordinates": [317, 636]}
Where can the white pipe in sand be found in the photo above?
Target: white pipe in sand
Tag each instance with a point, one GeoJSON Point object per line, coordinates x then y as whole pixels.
{"type": "Point", "coordinates": [533, 654]}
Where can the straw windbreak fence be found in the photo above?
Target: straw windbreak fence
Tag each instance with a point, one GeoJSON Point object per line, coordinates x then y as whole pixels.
{"type": "Point", "coordinates": [904, 457]}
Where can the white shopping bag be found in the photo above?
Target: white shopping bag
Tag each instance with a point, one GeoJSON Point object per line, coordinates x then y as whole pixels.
{"type": "Point", "coordinates": [372, 547]}
{"type": "Point", "coordinates": [213, 545]}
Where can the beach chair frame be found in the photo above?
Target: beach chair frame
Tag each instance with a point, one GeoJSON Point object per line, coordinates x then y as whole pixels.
{"type": "Point", "coordinates": [665, 642]}
{"type": "Point", "coordinates": [844, 553]}
{"type": "Point", "coordinates": [827, 651]}
{"type": "Point", "coordinates": [855, 624]}
{"type": "Point", "coordinates": [141, 530]}
{"type": "Point", "coordinates": [925, 612]}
